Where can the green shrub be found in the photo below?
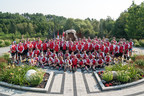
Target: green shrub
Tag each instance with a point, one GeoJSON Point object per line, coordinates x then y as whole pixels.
{"type": "Point", "coordinates": [2, 45]}
{"type": "Point", "coordinates": [16, 75]}
{"type": "Point", "coordinates": [107, 76]}
{"type": "Point", "coordinates": [139, 62]}
{"type": "Point", "coordinates": [135, 41]}
{"type": "Point", "coordinates": [109, 68]}
{"type": "Point", "coordinates": [133, 73]}
{"type": "Point", "coordinates": [133, 57]}
{"type": "Point", "coordinates": [123, 76]}
{"type": "Point", "coordinates": [6, 56]}
{"type": "Point", "coordinates": [36, 78]}
{"type": "Point", "coordinates": [1, 41]}
{"type": "Point", "coordinates": [137, 45]}
{"type": "Point", "coordinates": [7, 43]}
{"type": "Point", "coordinates": [141, 42]}
{"type": "Point", "coordinates": [3, 65]}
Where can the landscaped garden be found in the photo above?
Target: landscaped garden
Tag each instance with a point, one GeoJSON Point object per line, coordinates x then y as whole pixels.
{"type": "Point", "coordinates": [119, 73]}
{"type": "Point", "coordinates": [17, 74]}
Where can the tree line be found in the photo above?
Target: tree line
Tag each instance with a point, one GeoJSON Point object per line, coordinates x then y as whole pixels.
{"type": "Point", "coordinates": [130, 24]}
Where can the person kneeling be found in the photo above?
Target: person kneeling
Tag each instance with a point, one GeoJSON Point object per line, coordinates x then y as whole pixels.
{"type": "Point", "coordinates": [100, 62]}
{"type": "Point", "coordinates": [74, 63]}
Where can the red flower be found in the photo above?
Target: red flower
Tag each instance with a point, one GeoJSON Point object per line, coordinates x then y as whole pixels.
{"type": "Point", "coordinates": [102, 71]}
{"type": "Point", "coordinates": [110, 84]}
{"type": "Point", "coordinates": [99, 73]}
{"type": "Point", "coordinates": [107, 85]}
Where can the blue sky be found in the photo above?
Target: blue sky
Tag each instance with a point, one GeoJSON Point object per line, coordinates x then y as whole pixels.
{"type": "Point", "coordinates": [69, 8]}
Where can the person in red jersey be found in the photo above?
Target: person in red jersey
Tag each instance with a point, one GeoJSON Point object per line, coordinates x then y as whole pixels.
{"type": "Point", "coordinates": [34, 44]}
{"type": "Point", "coordinates": [86, 46]}
{"type": "Point", "coordinates": [102, 47]}
{"type": "Point", "coordinates": [37, 51]}
{"type": "Point", "coordinates": [74, 47]}
{"type": "Point", "coordinates": [68, 64]}
{"type": "Point", "coordinates": [66, 54]}
{"type": "Point", "coordinates": [51, 45]}
{"type": "Point", "coordinates": [50, 61]}
{"type": "Point", "coordinates": [44, 47]}
{"type": "Point", "coordinates": [13, 50]}
{"type": "Point", "coordinates": [107, 49]}
{"type": "Point", "coordinates": [100, 62]}
{"type": "Point", "coordinates": [81, 63]}
{"type": "Point", "coordinates": [64, 45]}
{"type": "Point", "coordinates": [39, 46]}
{"type": "Point", "coordinates": [101, 54]}
{"type": "Point", "coordinates": [130, 48]}
{"type": "Point", "coordinates": [60, 53]}
{"type": "Point", "coordinates": [121, 50]}
{"type": "Point", "coordinates": [84, 55]}
{"type": "Point", "coordinates": [116, 50]}
{"type": "Point", "coordinates": [91, 47]}
{"type": "Point", "coordinates": [56, 62]}
{"type": "Point", "coordinates": [107, 59]}
{"type": "Point", "coordinates": [112, 47]}
{"type": "Point", "coordinates": [97, 46]}
{"type": "Point", "coordinates": [20, 49]}
{"type": "Point", "coordinates": [61, 63]}
{"type": "Point", "coordinates": [94, 63]}
{"type": "Point", "coordinates": [80, 47]}
{"type": "Point", "coordinates": [72, 55]}
{"type": "Point", "coordinates": [90, 55]}
{"type": "Point", "coordinates": [43, 61]}
{"type": "Point", "coordinates": [30, 45]}
{"type": "Point", "coordinates": [60, 44]}
{"type": "Point", "coordinates": [87, 63]}
{"type": "Point", "coordinates": [36, 60]}
{"type": "Point", "coordinates": [25, 49]}
{"type": "Point", "coordinates": [95, 53]}
{"type": "Point", "coordinates": [126, 50]}
{"type": "Point", "coordinates": [74, 63]}
{"type": "Point", "coordinates": [48, 53]}
{"type": "Point", "coordinates": [70, 46]}
{"type": "Point", "coordinates": [114, 40]}
{"type": "Point", "coordinates": [78, 55]}
{"type": "Point", "coordinates": [56, 47]}
{"type": "Point", "coordinates": [89, 40]}
{"type": "Point", "coordinates": [30, 54]}
{"type": "Point", "coordinates": [39, 40]}
{"type": "Point", "coordinates": [54, 54]}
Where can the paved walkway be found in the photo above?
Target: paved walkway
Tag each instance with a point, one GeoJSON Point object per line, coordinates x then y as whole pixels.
{"type": "Point", "coordinates": [74, 84]}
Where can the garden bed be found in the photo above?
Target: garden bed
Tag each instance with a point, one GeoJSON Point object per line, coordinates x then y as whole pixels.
{"type": "Point", "coordinates": [42, 87]}
{"type": "Point", "coordinates": [115, 86]}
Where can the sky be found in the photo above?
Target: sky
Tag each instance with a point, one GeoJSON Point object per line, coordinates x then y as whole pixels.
{"type": "Point", "coordinates": [81, 9]}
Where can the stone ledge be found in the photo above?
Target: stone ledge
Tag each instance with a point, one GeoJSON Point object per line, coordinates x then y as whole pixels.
{"type": "Point", "coordinates": [103, 88]}
{"type": "Point", "coordinates": [43, 90]}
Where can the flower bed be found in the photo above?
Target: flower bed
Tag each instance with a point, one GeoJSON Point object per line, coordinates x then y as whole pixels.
{"type": "Point", "coordinates": [120, 74]}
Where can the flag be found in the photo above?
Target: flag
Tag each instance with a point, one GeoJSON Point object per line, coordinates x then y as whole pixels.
{"type": "Point", "coordinates": [58, 35]}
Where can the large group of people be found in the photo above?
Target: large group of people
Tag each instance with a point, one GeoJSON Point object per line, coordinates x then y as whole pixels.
{"type": "Point", "coordinates": [85, 53]}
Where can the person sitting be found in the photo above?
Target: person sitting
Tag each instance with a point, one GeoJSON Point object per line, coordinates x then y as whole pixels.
{"type": "Point", "coordinates": [68, 64]}
{"type": "Point", "coordinates": [43, 61]}
{"type": "Point", "coordinates": [81, 64]}
{"type": "Point", "coordinates": [87, 63]}
{"type": "Point", "coordinates": [50, 61]}
{"type": "Point", "coordinates": [56, 62]}
{"type": "Point", "coordinates": [74, 63]}
{"type": "Point", "coordinates": [36, 60]}
{"type": "Point", "coordinates": [61, 63]}
{"type": "Point", "coordinates": [100, 62]}
{"type": "Point", "coordinates": [108, 59]}
{"type": "Point", "coordinates": [94, 63]}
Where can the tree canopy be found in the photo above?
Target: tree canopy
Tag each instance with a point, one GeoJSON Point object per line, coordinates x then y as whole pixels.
{"type": "Point", "coordinates": [130, 24]}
